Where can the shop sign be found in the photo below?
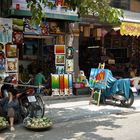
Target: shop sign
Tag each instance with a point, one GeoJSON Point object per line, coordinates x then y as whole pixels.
{"type": "Point", "coordinates": [132, 29]}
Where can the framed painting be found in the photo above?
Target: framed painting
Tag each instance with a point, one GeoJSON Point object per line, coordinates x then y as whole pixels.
{"type": "Point", "coordinates": [2, 57]}
{"type": "Point", "coordinates": [11, 50]}
{"type": "Point", "coordinates": [69, 53]}
{"type": "Point", "coordinates": [60, 69]}
{"type": "Point", "coordinates": [11, 64]}
{"type": "Point", "coordinates": [59, 49]}
{"type": "Point", "coordinates": [69, 65]}
{"type": "Point", "coordinates": [60, 59]}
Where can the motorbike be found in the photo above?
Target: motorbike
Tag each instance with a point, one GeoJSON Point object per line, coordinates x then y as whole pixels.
{"type": "Point", "coordinates": [101, 81]}
{"type": "Point", "coordinates": [30, 103]}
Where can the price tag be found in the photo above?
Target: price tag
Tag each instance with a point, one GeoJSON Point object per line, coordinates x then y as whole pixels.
{"type": "Point", "coordinates": [31, 98]}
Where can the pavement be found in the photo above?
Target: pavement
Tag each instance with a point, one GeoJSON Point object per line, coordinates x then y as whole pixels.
{"type": "Point", "coordinates": [62, 109]}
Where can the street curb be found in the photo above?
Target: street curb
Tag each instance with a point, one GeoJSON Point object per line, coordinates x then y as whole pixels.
{"type": "Point", "coordinates": [64, 97]}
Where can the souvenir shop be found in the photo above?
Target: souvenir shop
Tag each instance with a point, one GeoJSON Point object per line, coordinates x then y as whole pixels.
{"type": "Point", "coordinates": [51, 45]}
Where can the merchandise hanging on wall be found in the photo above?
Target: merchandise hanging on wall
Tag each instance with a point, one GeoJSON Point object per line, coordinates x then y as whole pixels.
{"type": "Point", "coordinates": [11, 64]}
{"type": "Point", "coordinates": [69, 65]}
{"type": "Point", "coordinates": [69, 53]}
{"type": "Point", "coordinates": [55, 84]}
{"type": "Point", "coordinates": [11, 51]}
{"type": "Point", "coordinates": [18, 25]}
{"type": "Point", "coordinates": [5, 30]}
{"type": "Point", "coordinates": [2, 57]}
{"type": "Point", "coordinates": [59, 49]}
{"type": "Point", "coordinates": [60, 69]}
{"type": "Point", "coordinates": [18, 37]}
{"type": "Point", "coordinates": [60, 59]}
{"type": "Point", "coordinates": [61, 84]}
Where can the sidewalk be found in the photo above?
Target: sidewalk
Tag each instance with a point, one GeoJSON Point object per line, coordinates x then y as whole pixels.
{"type": "Point", "coordinates": [61, 109]}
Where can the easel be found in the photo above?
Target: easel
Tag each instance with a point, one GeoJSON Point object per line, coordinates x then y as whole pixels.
{"type": "Point", "coordinates": [100, 66]}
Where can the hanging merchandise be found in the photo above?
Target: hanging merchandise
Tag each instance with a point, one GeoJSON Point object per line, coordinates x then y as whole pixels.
{"type": "Point", "coordinates": [11, 64]}
{"type": "Point", "coordinates": [17, 38]}
{"type": "Point", "coordinates": [69, 65]}
{"type": "Point", "coordinates": [69, 53]}
{"type": "Point", "coordinates": [2, 57]}
{"type": "Point", "coordinates": [31, 29]}
{"type": "Point", "coordinates": [44, 28]}
{"type": "Point", "coordinates": [5, 30]}
{"type": "Point", "coordinates": [61, 84]}
{"type": "Point", "coordinates": [60, 59]}
{"type": "Point", "coordinates": [60, 69]}
{"type": "Point", "coordinates": [59, 49]}
{"type": "Point", "coordinates": [55, 84]}
{"type": "Point", "coordinates": [18, 25]}
{"type": "Point", "coordinates": [11, 50]}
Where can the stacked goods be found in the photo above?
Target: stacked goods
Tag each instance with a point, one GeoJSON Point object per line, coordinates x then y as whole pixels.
{"type": "Point", "coordinates": [37, 123]}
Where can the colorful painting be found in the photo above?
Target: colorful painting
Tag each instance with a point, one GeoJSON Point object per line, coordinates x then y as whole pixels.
{"type": "Point", "coordinates": [61, 80]}
{"type": "Point", "coordinates": [70, 84]}
{"type": "Point", "coordinates": [55, 84]}
{"type": "Point", "coordinates": [66, 84]}
{"type": "Point", "coordinates": [11, 64]}
{"type": "Point", "coordinates": [69, 65]}
{"type": "Point", "coordinates": [5, 30]}
{"type": "Point", "coordinates": [30, 28]}
{"type": "Point", "coordinates": [11, 50]}
{"type": "Point", "coordinates": [55, 81]}
{"type": "Point", "coordinates": [60, 59]}
{"type": "Point", "coordinates": [59, 49]}
{"type": "Point", "coordinates": [98, 78]}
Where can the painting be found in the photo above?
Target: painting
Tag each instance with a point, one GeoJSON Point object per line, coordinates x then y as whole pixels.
{"type": "Point", "coordinates": [2, 57]}
{"type": "Point", "coordinates": [5, 30]}
{"type": "Point", "coordinates": [11, 50]}
{"type": "Point", "coordinates": [60, 59]}
{"type": "Point", "coordinates": [11, 64]}
{"type": "Point", "coordinates": [69, 53]}
{"type": "Point", "coordinates": [60, 69]}
{"type": "Point", "coordinates": [69, 65]}
{"type": "Point", "coordinates": [59, 49]}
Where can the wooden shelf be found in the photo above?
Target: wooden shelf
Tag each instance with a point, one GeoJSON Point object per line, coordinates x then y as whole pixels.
{"type": "Point", "coordinates": [37, 36]}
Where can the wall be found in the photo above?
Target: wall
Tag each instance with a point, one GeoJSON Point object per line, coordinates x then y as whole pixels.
{"type": "Point", "coordinates": [135, 5]}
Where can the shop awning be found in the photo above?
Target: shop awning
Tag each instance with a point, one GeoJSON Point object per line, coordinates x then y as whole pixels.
{"type": "Point", "coordinates": [128, 28]}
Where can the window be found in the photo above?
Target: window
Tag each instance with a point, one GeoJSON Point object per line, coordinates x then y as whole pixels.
{"type": "Point", "coordinates": [123, 4]}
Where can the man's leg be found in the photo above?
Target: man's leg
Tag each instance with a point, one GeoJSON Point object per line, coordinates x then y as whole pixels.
{"type": "Point", "coordinates": [11, 115]}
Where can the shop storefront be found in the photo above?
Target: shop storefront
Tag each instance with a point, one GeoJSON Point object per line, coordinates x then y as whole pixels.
{"type": "Point", "coordinates": [53, 45]}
